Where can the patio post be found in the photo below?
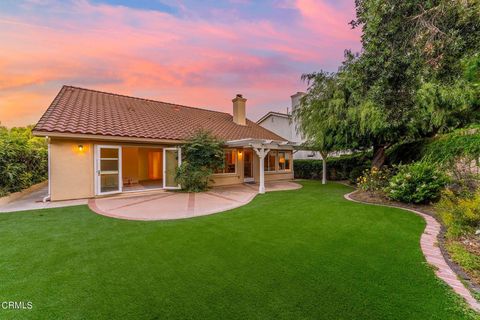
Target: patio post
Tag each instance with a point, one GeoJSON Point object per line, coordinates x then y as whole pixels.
{"type": "Point", "coordinates": [261, 152]}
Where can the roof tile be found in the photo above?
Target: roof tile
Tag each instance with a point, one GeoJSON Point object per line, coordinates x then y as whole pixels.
{"type": "Point", "coordinates": [84, 111]}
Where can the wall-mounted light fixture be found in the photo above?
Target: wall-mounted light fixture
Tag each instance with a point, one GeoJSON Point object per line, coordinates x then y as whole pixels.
{"type": "Point", "coordinates": [80, 147]}
{"type": "Point", "coordinates": [240, 154]}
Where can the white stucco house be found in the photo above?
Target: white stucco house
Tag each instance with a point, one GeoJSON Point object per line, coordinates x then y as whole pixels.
{"type": "Point", "coordinates": [285, 126]}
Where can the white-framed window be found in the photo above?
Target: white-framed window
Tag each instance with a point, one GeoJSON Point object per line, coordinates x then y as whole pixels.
{"type": "Point", "coordinates": [270, 161]}
{"type": "Point", "coordinates": [229, 162]}
{"type": "Point", "coordinates": [284, 161]}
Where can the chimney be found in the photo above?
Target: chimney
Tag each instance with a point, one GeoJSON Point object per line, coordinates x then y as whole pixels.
{"type": "Point", "coordinates": [296, 99]}
{"type": "Point", "coordinates": [239, 116]}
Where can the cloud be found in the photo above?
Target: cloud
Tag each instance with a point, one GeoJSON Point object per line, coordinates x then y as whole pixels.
{"type": "Point", "coordinates": [187, 59]}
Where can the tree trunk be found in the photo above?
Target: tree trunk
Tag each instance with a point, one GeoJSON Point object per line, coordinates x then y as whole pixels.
{"type": "Point", "coordinates": [378, 156]}
{"type": "Point", "coordinates": [324, 168]}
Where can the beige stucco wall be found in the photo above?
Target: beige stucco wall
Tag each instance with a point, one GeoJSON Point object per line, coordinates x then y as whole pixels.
{"type": "Point", "coordinates": [71, 170]}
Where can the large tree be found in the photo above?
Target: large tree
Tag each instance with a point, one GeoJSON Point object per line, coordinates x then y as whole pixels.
{"type": "Point", "coordinates": [410, 63]}
{"type": "Point", "coordinates": [412, 79]}
{"type": "Point", "coordinates": [321, 116]}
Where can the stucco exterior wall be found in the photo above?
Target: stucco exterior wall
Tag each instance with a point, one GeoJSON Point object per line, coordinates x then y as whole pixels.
{"type": "Point", "coordinates": [71, 170]}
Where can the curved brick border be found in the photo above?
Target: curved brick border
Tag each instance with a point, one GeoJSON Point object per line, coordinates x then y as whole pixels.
{"type": "Point", "coordinates": [432, 253]}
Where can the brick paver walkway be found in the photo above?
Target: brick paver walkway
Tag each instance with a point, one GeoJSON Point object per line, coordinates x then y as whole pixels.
{"type": "Point", "coordinates": [433, 255]}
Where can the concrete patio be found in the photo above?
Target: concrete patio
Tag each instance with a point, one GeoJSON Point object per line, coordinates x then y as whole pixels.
{"type": "Point", "coordinates": [32, 200]}
{"type": "Point", "coordinates": [168, 205]}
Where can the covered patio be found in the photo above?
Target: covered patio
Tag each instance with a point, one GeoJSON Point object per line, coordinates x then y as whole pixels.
{"type": "Point", "coordinates": [170, 205]}
{"type": "Point", "coordinates": [262, 147]}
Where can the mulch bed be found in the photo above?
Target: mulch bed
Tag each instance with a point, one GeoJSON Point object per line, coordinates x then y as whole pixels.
{"type": "Point", "coordinates": [472, 246]}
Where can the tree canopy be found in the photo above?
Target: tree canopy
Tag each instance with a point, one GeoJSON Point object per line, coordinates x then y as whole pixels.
{"type": "Point", "coordinates": [417, 75]}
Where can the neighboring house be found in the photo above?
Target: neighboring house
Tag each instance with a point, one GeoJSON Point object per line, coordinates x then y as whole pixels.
{"type": "Point", "coordinates": [285, 126]}
{"type": "Point", "coordinates": [103, 143]}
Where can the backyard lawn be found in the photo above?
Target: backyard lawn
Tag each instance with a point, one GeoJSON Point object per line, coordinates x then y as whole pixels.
{"type": "Point", "coordinates": [303, 254]}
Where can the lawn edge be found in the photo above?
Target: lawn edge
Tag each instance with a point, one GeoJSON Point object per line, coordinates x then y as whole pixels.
{"type": "Point", "coordinates": [432, 252]}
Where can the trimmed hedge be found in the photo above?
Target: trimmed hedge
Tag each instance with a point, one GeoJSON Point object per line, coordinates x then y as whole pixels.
{"type": "Point", "coordinates": [348, 167]}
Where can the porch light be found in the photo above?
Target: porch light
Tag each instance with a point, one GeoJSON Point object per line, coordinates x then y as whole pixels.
{"type": "Point", "coordinates": [240, 154]}
{"type": "Point", "coordinates": [80, 147]}
{"type": "Point", "coordinates": [281, 160]}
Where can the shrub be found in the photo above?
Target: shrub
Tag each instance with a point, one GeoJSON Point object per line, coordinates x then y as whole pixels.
{"type": "Point", "coordinates": [193, 179]}
{"type": "Point", "coordinates": [374, 180]}
{"type": "Point", "coordinates": [23, 159]}
{"type": "Point", "coordinates": [419, 182]}
{"type": "Point", "coordinates": [346, 167]}
{"type": "Point", "coordinates": [460, 212]}
{"type": "Point", "coordinates": [202, 155]}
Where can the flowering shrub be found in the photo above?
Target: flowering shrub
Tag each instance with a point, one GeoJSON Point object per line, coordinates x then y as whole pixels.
{"type": "Point", "coordinates": [202, 155]}
{"type": "Point", "coordinates": [374, 180]}
{"type": "Point", "coordinates": [419, 182]}
{"type": "Point", "coordinates": [460, 212]}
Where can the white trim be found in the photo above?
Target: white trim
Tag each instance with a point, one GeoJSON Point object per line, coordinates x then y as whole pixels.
{"type": "Point", "coordinates": [97, 174]}
{"type": "Point", "coordinates": [49, 174]}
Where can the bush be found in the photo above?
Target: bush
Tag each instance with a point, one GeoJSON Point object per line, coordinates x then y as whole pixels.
{"type": "Point", "coordinates": [23, 159]}
{"type": "Point", "coordinates": [374, 180]}
{"type": "Point", "coordinates": [347, 167]}
{"type": "Point", "coordinates": [443, 149]}
{"type": "Point", "coordinates": [193, 179]}
{"type": "Point", "coordinates": [202, 155]}
{"type": "Point", "coordinates": [419, 182]}
{"type": "Point", "coordinates": [460, 212]}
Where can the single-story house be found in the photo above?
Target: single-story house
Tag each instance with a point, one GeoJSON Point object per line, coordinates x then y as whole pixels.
{"type": "Point", "coordinates": [103, 143]}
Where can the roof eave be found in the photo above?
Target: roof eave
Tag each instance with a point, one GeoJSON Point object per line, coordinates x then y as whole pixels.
{"type": "Point", "coordinates": [81, 136]}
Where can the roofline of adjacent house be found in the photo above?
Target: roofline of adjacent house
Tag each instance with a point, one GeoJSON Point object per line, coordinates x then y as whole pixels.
{"type": "Point", "coordinates": [82, 136]}
{"type": "Point", "coordinates": [273, 113]}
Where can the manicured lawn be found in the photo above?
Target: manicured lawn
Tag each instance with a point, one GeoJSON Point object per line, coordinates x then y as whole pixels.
{"type": "Point", "coordinates": [304, 254]}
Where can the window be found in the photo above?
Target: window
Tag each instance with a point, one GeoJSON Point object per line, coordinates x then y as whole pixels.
{"type": "Point", "coordinates": [284, 161]}
{"type": "Point", "coordinates": [229, 162]}
{"type": "Point", "coordinates": [270, 160]}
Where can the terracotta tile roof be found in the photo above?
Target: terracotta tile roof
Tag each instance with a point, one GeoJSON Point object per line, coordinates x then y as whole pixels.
{"type": "Point", "coordinates": [84, 111]}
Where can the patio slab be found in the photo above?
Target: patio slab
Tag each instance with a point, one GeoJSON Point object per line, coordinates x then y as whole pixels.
{"type": "Point", "coordinates": [33, 201]}
{"type": "Point", "coordinates": [171, 205]}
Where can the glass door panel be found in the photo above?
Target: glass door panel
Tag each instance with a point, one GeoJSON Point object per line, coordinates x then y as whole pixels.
{"type": "Point", "coordinates": [248, 165]}
{"type": "Point", "coordinates": [108, 169]}
{"type": "Point", "coordinates": [171, 161]}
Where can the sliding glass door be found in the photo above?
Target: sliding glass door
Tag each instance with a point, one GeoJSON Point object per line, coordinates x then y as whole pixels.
{"type": "Point", "coordinates": [171, 161]}
{"type": "Point", "coordinates": [108, 166]}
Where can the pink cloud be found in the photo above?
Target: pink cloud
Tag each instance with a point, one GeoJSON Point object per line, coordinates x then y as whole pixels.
{"type": "Point", "coordinates": [157, 55]}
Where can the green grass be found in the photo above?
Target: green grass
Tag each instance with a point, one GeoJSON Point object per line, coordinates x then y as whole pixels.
{"type": "Point", "coordinates": [303, 254]}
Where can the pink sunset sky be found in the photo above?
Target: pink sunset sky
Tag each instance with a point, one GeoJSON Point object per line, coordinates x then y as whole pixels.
{"type": "Point", "coordinates": [197, 53]}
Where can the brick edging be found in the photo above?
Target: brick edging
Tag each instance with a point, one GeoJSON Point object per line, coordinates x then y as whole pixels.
{"type": "Point", "coordinates": [433, 253]}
